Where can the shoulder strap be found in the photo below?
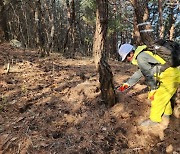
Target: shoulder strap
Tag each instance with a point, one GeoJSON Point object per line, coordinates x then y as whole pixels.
{"type": "Point", "coordinates": [137, 52]}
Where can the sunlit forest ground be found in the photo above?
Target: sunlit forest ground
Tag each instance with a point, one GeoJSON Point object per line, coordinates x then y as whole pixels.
{"type": "Point", "coordinates": [53, 105]}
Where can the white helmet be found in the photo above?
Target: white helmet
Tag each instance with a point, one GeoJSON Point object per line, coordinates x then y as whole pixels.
{"type": "Point", "coordinates": [124, 50]}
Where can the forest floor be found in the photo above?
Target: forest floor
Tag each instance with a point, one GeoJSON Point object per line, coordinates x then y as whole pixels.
{"type": "Point", "coordinates": [52, 105]}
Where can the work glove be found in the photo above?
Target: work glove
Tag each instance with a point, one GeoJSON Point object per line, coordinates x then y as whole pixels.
{"type": "Point", "coordinates": [123, 87]}
{"type": "Point", "coordinates": [151, 95]}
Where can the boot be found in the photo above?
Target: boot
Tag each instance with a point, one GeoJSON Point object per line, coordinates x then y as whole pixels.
{"type": "Point", "coordinates": [149, 123]}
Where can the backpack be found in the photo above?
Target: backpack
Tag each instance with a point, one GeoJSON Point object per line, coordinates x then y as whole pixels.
{"type": "Point", "coordinates": [168, 50]}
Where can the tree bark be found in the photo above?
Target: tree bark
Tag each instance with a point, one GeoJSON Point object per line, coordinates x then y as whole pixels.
{"type": "Point", "coordinates": [70, 34]}
{"type": "Point", "coordinates": [105, 74]}
{"type": "Point", "coordinates": [171, 24]}
{"type": "Point", "coordinates": [50, 29]}
{"type": "Point", "coordinates": [3, 23]}
{"type": "Point", "coordinates": [40, 37]}
{"type": "Point", "coordinates": [142, 15]}
{"type": "Point", "coordinates": [161, 27]}
{"type": "Point", "coordinates": [136, 33]}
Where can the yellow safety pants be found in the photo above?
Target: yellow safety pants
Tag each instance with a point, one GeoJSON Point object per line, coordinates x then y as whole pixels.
{"type": "Point", "coordinates": [169, 82]}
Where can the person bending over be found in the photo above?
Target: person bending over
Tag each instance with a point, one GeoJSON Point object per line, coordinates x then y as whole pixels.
{"type": "Point", "coordinates": [159, 64]}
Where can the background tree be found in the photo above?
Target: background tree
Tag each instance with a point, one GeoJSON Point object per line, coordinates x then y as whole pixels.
{"type": "Point", "coordinates": [68, 27]}
{"type": "Point", "coordinates": [142, 14]}
{"type": "Point", "coordinates": [161, 26]}
{"type": "Point", "coordinates": [46, 24]}
{"type": "Point", "coordinates": [3, 20]}
{"type": "Point", "coordinates": [172, 18]}
{"type": "Point", "coordinates": [70, 34]}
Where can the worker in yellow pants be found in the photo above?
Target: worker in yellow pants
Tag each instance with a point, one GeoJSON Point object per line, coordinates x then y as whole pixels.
{"type": "Point", "coordinates": [161, 57]}
{"type": "Point", "coordinates": [169, 82]}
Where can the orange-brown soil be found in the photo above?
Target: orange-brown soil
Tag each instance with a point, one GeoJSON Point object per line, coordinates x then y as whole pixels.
{"type": "Point", "coordinates": [53, 105]}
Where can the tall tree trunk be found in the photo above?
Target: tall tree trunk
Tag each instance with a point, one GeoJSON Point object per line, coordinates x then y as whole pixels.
{"type": "Point", "coordinates": [114, 45]}
{"type": "Point", "coordinates": [142, 15]}
{"type": "Point", "coordinates": [50, 31]}
{"type": "Point", "coordinates": [136, 33]}
{"type": "Point", "coordinates": [113, 41]}
{"type": "Point", "coordinates": [27, 41]}
{"type": "Point", "coordinates": [70, 34]}
{"type": "Point", "coordinates": [171, 24]}
{"type": "Point", "coordinates": [105, 73]}
{"type": "Point", "coordinates": [161, 27]}
{"type": "Point", "coordinates": [40, 37]}
{"type": "Point", "coordinates": [3, 24]}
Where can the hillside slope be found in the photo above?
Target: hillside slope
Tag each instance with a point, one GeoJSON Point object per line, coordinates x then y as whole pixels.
{"type": "Point", "coordinates": [53, 105]}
